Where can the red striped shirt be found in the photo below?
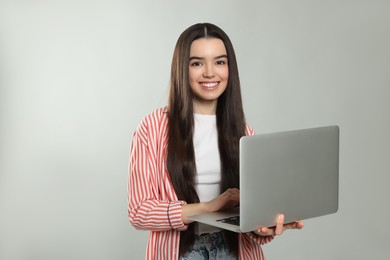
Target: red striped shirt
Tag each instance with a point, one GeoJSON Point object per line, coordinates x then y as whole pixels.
{"type": "Point", "coordinates": [153, 204]}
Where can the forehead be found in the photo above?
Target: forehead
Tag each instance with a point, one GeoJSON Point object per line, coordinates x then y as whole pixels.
{"type": "Point", "coordinates": [210, 47]}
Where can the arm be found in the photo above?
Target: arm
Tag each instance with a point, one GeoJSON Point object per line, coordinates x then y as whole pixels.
{"type": "Point", "coordinates": [147, 208]}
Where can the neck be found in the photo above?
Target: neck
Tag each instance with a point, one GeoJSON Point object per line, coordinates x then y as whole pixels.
{"type": "Point", "coordinates": [205, 107]}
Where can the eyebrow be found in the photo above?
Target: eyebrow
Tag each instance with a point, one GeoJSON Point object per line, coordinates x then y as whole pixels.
{"type": "Point", "coordinates": [201, 58]}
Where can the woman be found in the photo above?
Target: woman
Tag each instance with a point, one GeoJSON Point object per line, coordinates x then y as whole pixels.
{"type": "Point", "coordinates": [184, 157]}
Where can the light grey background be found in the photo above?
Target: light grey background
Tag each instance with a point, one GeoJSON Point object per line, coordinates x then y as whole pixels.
{"type": "Point", "coordinates": [76, 77]}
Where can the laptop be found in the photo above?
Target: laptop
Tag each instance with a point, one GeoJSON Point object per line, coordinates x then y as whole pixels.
{"type": "Point", "coordinates": [292, 172]}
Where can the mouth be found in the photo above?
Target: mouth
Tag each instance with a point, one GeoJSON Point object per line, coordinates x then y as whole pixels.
{"type": "Point", "coordinates": [209, 85]}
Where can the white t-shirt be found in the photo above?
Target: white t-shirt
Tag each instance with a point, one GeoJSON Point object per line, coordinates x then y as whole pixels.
{"type": "Point", "coordinates": [208, 164]}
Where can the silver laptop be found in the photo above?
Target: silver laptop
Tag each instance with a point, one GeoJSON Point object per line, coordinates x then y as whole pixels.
{"type": "Point", "coordinates": [293, 172]}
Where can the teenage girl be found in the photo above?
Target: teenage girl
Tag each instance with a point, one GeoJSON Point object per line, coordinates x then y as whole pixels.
{"type": "Point", "coordinates": [184, 157]}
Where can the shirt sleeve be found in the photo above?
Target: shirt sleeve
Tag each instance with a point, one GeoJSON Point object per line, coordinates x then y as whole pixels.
{"type": "Point", "coordinates": [249, 130]}
{"type": "Point", "coordinates": [146, 209]}
{"type": "Point", "coordinates": [260, 240]}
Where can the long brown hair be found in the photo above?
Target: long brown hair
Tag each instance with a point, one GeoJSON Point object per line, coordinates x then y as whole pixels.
{"type": "Point", "coordinates": [230, 125]}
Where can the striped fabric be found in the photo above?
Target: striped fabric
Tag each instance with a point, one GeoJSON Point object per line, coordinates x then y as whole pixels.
{"type": "Point", "coordinates": [153, 204]}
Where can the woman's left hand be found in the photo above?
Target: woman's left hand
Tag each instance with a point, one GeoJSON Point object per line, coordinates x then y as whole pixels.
{"type": "Point", "coordinates": [279, 228]}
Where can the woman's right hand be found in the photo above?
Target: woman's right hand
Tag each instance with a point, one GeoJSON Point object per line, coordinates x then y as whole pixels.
{"type": "Point", "coordinates": [227, 200]}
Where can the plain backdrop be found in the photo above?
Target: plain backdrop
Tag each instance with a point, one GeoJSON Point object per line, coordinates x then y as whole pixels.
{"type": "Point", "coordinates": [76, 77]}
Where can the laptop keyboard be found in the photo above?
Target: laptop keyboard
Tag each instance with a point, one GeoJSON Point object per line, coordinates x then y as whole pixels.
{"type": "Point", "coordinates": [231, 220]}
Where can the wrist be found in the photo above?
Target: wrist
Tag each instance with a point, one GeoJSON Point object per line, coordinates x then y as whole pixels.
{"type": "Point", "coordinates": [205, 207]}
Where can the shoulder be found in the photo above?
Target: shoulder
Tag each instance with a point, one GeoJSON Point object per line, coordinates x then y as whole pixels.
{"type": "Point", "coordinates": [156, 117]}
{"type": "Point", "coordinates": [153, 123]}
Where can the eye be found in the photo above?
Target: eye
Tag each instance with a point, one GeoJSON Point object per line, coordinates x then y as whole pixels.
{"type": "Point", "coordinates": [220, 62]}
{"type": "Point", "coordinates": [195, 64]}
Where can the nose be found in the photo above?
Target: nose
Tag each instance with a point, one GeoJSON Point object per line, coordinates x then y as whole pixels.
{"type": "Point", "coordinates": [208, 71]}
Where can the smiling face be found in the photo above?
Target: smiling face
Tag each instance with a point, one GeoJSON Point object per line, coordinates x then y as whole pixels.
{"type": "Point", "coordinates": [208, 73]}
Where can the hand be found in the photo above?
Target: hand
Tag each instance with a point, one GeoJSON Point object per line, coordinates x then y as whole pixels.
{"type": "Point", "coordinates": [279, 228]}
{"type": "Point", "coordinates": [229, 199]}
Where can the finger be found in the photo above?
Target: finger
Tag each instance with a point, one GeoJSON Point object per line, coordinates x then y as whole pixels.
{"type": "Point", "coordinates": [300, 224]}
{"type": "Point", "coordinates": [232, 195]}
{"type": "Point", "coordinates": [232, 192]}
{"type": "Point", "coordinates": [279, 225]}
{"type": "Point", "coordinates": [294, 225]}
{"type": "Point", "coordinates": [235, 195]}
{"type": "Point", "coordinates": [235, 190]}
{"type": "Point", "coordinates": [264, 231]}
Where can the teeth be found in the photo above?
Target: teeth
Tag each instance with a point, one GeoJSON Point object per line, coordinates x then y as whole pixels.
{"type": "Point", "coordinates": [209, 85]}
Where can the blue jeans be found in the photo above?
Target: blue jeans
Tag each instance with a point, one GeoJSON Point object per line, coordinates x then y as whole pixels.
{"type": "Point", "coordinates": [209, 246]}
